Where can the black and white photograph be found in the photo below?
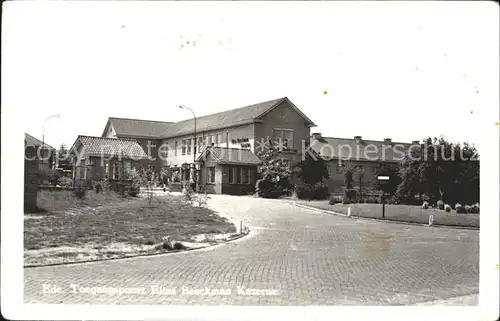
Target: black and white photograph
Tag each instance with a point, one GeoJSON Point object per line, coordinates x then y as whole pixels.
{"type": "Point", "coordinates": [184, 156]}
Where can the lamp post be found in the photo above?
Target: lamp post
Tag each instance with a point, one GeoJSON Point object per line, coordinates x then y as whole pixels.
{"type": "Point", "coordinates": [383, 182]}
{"type": "Point", "coordinates": [43, 130]}
{"type": "Point", "coordinates": [43, 142]}
{"type": "Point", "coordinates": [194, 142]}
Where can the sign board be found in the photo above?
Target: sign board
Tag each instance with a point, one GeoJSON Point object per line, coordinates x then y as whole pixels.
{"type": "Point", "coordinates": [383, 178]}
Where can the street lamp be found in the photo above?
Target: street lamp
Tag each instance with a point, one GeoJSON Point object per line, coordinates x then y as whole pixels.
{"type": "Point", "coordinates": [194, 142]}
{"type": "Point", "coordinates": [43, 130]}
{"type": "Point", "coordinates": [384, 180]}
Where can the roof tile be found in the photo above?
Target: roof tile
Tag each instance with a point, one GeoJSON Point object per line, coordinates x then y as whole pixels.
{"type": "Point", "coordinates": [346, 148]}
{"type": "Point", "coordinates": [112, 147]}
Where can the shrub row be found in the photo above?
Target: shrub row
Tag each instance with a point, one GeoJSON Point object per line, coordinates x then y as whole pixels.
{"type": "Point", "coordinates": [460, 209]}
{"type": "Point", "coordinates": [318, 191]}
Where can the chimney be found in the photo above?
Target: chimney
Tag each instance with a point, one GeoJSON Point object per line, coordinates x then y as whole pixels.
{"type": "Point", "coordinates": [358, 139]}
{"type": "Point", "coordinates": [388, 141]}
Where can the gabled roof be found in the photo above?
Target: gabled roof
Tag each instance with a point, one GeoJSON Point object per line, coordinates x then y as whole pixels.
{"type": "Point", "coordinates": [115, 147]}
{"type": "Point", "coordinates": [224, 155]}
{"type": "Point", "coordinates": [229, 118]}
{"type": "Point", "coordinates": [126, 127]}
{"type": "Point", "coordinates": [370, 150]}
{"type": "Point", "coordinates": [32, 141]}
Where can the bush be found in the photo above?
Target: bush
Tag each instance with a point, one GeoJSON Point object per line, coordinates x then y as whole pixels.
{"type": "Point", "coordinates": [460, 209]}
{"type": "Point", "coordinates": [133, 190]}
{"type": "Point", "coordinates": [318, 191]}
{"type": "Point", "coordinates": [447, 208]}
{"type": "Point", "coordinates": [440, 205]}
{"type": "Point", "coordinates": [179, 246]}
{"type": "Point", "coordinates": [65, 182]}
{"type": "Point", "coordinates": [350, 196]}
{"type": "Point", "coordinates": [335, 199]}
{"type": "Point", "coordinates": [80, 192]}
{"type": "Point", "coordinates": [267, 189]}
{"type": "Point", "coordinates": [370, 200]}
{"type": "Point", "coordinates": [425, 205]}
{"type": "Point", "coordinates": [472, 209]}
{"type": "Point", "coordinates": [188, 192]}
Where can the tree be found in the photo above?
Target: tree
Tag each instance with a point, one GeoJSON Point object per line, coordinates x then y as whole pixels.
{"type": "Point", "coordinates": [393, 171]}
{"type": "Point", "coordinates": [441, 170]}
{"type": "Point", "coordinates": [146, 178]}
{"type": "Point", "coordinates": [348, 172]}
{"type": "Point", "coordinates": [275, 174]}
{"type": "Point", "coordinates": [312, 169]}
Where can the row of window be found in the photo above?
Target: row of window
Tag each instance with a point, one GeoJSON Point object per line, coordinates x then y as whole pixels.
{"type": "Point", "coordinates": [284, 137]}
{"type": "Point", "coordinates": [237, 175]}
{"type": "Point", "coordinates": [240, 175]}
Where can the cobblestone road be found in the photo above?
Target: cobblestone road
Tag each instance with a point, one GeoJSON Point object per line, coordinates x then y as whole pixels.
{"type": "Point", "coordinates": [307, 258]}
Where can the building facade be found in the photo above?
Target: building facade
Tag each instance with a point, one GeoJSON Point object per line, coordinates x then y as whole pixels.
{"type": "Point", "coordinates": [220, 153]}
{"type": "Point", "coordinates": [248, 129]}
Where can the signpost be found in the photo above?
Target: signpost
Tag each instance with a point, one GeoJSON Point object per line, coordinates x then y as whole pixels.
{"type": "Point", "coordinates": [383, 180]}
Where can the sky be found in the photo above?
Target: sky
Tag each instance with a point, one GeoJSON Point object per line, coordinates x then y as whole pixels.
{"type": "Point", "coordinates": [397, 70]}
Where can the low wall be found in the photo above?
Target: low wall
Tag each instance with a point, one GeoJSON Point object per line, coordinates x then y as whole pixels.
{"type": "Point", "coordinates": [238, 189]}
{"type": "Point", "coordinates": [55, 188]}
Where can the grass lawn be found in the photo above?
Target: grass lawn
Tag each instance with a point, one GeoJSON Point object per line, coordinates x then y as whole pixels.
{"type": "Point", "coordinates": [108, 226]}
{"type": "Point", "coordinates": [403, 213]}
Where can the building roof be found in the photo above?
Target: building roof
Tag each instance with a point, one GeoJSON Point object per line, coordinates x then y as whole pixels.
{"type": "Point", "coordinates": [32, 141]}
{"type": "Point", "coordinates": [125, 127]}
{"type": "Point", "coordinates": [224, 155]}
{"type": "Point", "coordinates": [228, 118]}
{"type": "Point", "coordinates": [368, 150]}
{"type": "Point", "coordinates": [137, 127]}
{"type": "Point", "coordinates": [110, 147]}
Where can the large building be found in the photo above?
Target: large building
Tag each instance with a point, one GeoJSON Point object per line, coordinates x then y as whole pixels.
{"type": "Point", "coordinates": [218, 153]}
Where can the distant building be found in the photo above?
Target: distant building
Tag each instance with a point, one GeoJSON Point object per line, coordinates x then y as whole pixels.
{"type": "Point", "coordinates": [366, 156]}
{"type": "Point", "coordinates": [45, 155]}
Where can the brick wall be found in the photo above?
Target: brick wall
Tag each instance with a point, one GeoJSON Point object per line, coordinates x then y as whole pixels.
{"type": "Point", "coordinates": [284, 116]}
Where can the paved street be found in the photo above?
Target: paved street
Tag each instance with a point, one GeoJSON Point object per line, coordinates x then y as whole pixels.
{"type": "Point", "coordinates": [298, 256]}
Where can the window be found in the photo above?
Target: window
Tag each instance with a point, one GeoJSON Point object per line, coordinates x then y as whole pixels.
{"type": "Point", "coordinates": [283, 137]}
{"type": "Point", "coordinates": [163, 151]}
{"type": "Point", "coordinates": [183, 147]}
{"type": "Point", "coordinates": [153, 148]}
{"type": "Point", "coordinates": [246, 177]}
{"type": "Point", "coordinates": [238, 175]}
{"type": "Point", "coordinates": [209, 140]}
{"type": "Point", "coordinates": [189, 146]}
{"type": "Point", "coordinates": [176, 147]}
{"type": "Point", "coordinates": [210, 175]}
{"type": "Point", "coordinates": [200, 144]}
{"type": "Point", "coordinates": [216, 139]}
{"type": "Point", "coordinates": [116, 171]}
{"type": "Point", "coordinates": [106, 170]}
{"type": "Point", "coordinates": [231, 175]}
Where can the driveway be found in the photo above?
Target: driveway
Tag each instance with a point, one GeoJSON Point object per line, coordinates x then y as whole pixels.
{"type": "Point", "coordinates": [292, 256]}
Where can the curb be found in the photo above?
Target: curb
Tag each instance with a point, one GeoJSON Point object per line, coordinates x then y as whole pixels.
{"type": "Point", "coordinates": [384, 220]}
{"type": "Point", "coordinates": [237, 237]}
{"type": "Point", "coordinates": [462, 300]}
